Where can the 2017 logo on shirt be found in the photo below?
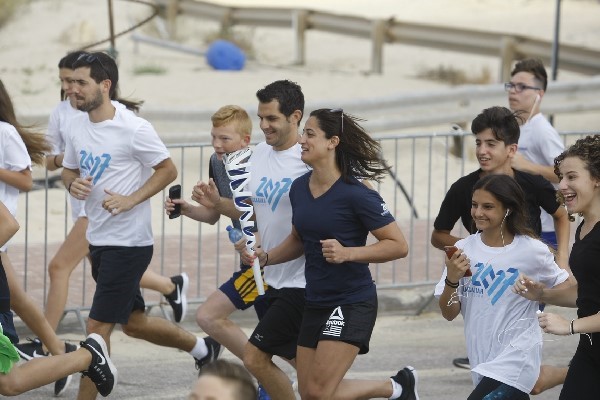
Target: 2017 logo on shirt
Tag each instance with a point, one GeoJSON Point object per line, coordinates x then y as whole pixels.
{"type": "Point", "coordinates": [495, 283]}
{"type": "Point", "coordinates": [271, 192]}
{"type": "Point", "coordinates": [93, 166]}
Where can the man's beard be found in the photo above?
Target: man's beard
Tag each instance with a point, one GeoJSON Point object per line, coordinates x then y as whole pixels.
{"type": "Point", "coordinates": [92, 104]}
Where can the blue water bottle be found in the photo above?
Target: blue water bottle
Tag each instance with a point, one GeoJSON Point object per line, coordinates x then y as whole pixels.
{"type": "Point", "coordinates": [235, 234]}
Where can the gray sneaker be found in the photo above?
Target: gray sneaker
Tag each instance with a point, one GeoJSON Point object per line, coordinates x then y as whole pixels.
{"type": "Point", "coordinates": [101, 370]}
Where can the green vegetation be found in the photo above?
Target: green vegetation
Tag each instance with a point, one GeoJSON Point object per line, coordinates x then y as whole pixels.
{"type": "Point", "coordinates": [456, 76]}
{"type": "Point", "coordinates": [149, 70]}
{"type": "Point", "coordinates": [8, 9]}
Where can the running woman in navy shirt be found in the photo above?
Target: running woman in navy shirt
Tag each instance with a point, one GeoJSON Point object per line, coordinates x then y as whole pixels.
{"type": "Point", "coordinates": [333, 212]}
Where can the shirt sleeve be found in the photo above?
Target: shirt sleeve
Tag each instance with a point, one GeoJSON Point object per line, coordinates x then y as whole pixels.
{"type": "Point", "coordinates": [449, 210]}
{"type": "Point", "coordinates": [546, 194]}
{"type": "Point", "coordinates": [53, 133]}
{"type": "Point", "coordinates": [371, 209]}
{"type": "Point", "coordinates": [16, 157]}
{"type": "Point", "coordinates": [147, 147]}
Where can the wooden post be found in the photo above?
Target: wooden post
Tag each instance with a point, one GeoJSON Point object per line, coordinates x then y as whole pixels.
{"type": "Point", "coordinates": [507, 55]}
{"type": "Point", "coordinates": [172, 10]}
{"type": "Point", "coordinates": [378, 33]}
{"type": "Point", "coordinates": [299, 26]}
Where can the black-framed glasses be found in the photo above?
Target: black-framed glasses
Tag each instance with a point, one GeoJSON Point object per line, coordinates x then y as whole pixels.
{"type": "Point", "coordinates": [519, 87]}
{"type": "Point", "coordinates": [90, 58]}
{"type": "Point", "coordinates": [340, 110]}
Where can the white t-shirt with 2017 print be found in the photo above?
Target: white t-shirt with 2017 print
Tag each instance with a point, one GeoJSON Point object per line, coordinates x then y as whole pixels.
{"type": "Point", "coordinates": [119, 154]}
{"type": "Point", "coordinates": [504, 340]}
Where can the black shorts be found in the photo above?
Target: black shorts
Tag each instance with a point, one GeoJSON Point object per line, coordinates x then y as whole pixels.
{"type": "Point", "coordinates": [117, 271]}
{"type": "Point", "coordinates": [6, 315]}
{"type": "Point", "coordinates": [349, 323]}
{"type": "Point", "coordinates": [277, 331]}
{"type": "Point", "coordinates": [241, 290]}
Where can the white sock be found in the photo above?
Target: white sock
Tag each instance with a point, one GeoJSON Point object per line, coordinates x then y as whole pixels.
{"type": "Point", "coordinates": [396, 390]}
{"type": "Point", "coordinates": [200, 350]}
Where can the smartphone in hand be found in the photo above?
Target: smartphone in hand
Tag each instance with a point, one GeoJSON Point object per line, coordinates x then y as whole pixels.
{"type": "Point", "coordinates": [450, 250]}
{"type": "Point", "coordinates": [175, 193]}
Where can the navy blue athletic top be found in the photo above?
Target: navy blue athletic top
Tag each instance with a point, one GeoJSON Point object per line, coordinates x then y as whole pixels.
{"type": "Point", "coordinates": [346, 212]}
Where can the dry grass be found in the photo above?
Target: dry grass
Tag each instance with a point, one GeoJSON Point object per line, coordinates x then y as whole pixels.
{"type": "Point", "coordinates": [456, 76]}
{"type": "Point", "coordinates": [8, 9]}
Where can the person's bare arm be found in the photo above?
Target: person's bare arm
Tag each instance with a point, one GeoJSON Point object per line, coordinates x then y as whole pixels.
{"type": "Point", "coordinates": [390, 245]}
{"type": "Point", "coordinates": [562, 227]}
{"type": "Point", "coordinates": [441, 238]}
{"type": "Point", "coordinates": [54, 162]}
{"type": "Point", "coordinates": [520, 163]}
{"type": "Point", "coordinates": [208, 195]}
{"type": "Point", "coordinates": [8, 225]}
{"type": "Point", "coordinates": [164, 173]}
{"type": "Point", "coordinates": [22, 180]}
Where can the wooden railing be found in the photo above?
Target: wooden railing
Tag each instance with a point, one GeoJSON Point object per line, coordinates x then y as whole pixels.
{"type": "Point", "coordinates": [380, 31]}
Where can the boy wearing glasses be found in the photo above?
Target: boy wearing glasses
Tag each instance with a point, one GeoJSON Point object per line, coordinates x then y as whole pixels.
{"type": "Point", "coordinates": [539, 143]}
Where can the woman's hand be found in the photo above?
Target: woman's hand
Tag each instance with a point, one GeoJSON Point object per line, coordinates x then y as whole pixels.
{"type": "Point", "coordinates": [526, 287]}
{"type": "Point", "coordinates": [457, 266]}
{"type": "Point", "coordinates": [554, 323]}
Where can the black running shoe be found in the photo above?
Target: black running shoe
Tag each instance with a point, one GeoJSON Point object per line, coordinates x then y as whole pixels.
{"type": "Point", "coordinates": [214, 348]}
{"type": "Point", "coordinates": [408, 379]}
{"type": "Point", "coordinates": [30, 350]}
{"type": "Point", "coordinates": [62, 384]}
{"type": "Point", "coordinates": [461, 363]}
{"type": "Point", "coordinates": [101, 371]}
{"type": "Point", "coordinates": [178, 297]}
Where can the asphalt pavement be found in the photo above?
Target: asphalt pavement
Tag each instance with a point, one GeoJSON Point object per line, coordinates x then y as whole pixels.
{"type": "Point", "coordinates": [409, 331]}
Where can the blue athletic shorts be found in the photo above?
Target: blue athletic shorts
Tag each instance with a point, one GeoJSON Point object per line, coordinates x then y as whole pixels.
{"type": "Point", "coordinates": [241, 290]}
{"type": "Point", "coordinates": [117, 271]}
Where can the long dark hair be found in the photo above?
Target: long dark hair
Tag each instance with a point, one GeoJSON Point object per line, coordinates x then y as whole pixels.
{"type": "Point", "coordinates": [35, 142]}
{"type": "Point", "coordinates": [508, 192]}
{"type": "Point", "coordinates": [357, 154]}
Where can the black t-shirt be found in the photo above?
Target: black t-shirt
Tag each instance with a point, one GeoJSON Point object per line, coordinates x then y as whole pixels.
{"type": "Point", "coordinates": [457, 203]}
{"type": "Point", "coordinates": [584, 264]}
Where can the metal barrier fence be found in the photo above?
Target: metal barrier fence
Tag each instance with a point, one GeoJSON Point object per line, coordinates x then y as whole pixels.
{"type": "Point", "coordinates": [423, 168]}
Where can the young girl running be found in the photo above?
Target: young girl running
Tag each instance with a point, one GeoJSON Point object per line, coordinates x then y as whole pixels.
{"type": "Point", "coordinates": [579, 171]}
{"type": "Point", "coordinates": [503, 345]}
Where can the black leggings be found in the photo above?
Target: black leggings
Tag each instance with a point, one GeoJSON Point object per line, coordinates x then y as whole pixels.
{"type": "Point", "coordinates": [582, 382]}
{"type": "Point", "coordinates": [490, 389]}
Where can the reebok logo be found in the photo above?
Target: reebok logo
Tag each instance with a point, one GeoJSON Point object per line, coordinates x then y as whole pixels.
{"type": "Point", "coordinates": [385, 209]}
{"type": "Point", "coordinates": [335, 323]}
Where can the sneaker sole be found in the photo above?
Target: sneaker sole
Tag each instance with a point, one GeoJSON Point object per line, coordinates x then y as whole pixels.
{"type": "Point", "coordinates": [184, 289]}
{"type": "Point", "coordinates": [416, 377]}
{"type": "Point", "coordinates": [111, 366]}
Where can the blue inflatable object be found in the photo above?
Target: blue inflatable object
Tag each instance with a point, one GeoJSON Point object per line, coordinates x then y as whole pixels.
{"type": "Point", "coordinates": [224, 55]}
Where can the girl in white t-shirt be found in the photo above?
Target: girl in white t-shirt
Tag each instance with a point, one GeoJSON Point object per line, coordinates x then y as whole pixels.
{"type": "Point", "coordinates": [502, 336]}
{"type": "Point", "coordinates": [19, 147]}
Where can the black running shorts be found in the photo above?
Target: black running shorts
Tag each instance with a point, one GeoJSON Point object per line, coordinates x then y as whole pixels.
{"type": "Point", "coordinates": [117, 271]}
{"type": "Point", "coordinates": [277, 331]}
{"type": "Point", "coordinates": [349, 323]}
